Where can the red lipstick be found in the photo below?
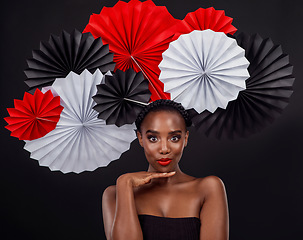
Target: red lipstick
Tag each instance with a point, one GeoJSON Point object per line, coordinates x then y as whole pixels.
{"type": "Point", "coordinates": [164, 161]}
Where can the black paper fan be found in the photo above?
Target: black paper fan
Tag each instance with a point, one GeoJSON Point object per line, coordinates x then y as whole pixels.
{"type": "Point", "coordinates": [65, 53]}
{"type": "Point", "coordinates": [121, 97]}
{"type": "Point", "coordinates": [267, 92]}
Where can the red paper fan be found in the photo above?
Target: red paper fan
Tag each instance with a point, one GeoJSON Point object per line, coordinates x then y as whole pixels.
{"type": "Point", "coordinates": [137, 33]}
{"type": "Point", "coordinates": [203, 19]}
{"type": "Point", "coordinates": [34, 116]}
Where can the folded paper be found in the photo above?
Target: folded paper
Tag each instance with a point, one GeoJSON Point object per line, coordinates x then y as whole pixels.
{"type": "Point", "coordinates": [267, 92]}
{"type": "Point", "coordinates": [65, 53]}
{"type": "Point", "coordinates": [203, 19]}
{"type": "Point", "coordinates": [80, 142]}
{"type": "Point", "coordinates": [137, 33]}
{"type": "Point", "coordinates": [34, 116]}
{"type": "Point", "coordinates": [204, 70]}
{"type": "Point", "coordinates": [121, 97]}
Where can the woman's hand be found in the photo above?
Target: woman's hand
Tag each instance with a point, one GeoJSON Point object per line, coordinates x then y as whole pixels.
{"type": "Point", "coordinates": [137, 179]}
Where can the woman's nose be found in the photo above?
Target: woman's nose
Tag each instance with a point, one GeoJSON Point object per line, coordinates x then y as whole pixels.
{"type": "Point", "coordinates": [164, 147]}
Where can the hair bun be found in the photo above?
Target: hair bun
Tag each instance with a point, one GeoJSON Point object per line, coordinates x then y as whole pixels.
{"type": "Point", "coordinates": [163, 104]}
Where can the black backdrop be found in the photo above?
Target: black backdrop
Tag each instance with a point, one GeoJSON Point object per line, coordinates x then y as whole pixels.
{"type": "Point", "coordinates": [263, 174]}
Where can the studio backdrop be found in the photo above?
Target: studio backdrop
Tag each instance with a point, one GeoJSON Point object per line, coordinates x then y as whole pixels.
{"type": "Point", "coordinates": [262, 172]}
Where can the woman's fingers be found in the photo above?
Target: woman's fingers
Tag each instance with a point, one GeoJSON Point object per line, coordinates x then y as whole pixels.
{"type": "Point", "coordinates": [159, 175]}
{"type": "Point", "coordinates": [141, 178]}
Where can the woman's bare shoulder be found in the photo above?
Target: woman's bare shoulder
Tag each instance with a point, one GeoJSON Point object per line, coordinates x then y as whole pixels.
{"type": "Point", "coordinates": [110, 192]}
{"type": "Point", "coordinates": [211, 184]}
{"type": "Point", "coordinates": [211, 180]}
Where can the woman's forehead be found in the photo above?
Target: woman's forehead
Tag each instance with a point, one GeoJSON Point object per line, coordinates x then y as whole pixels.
{"type": "Point", "coordinates": [164, 121]}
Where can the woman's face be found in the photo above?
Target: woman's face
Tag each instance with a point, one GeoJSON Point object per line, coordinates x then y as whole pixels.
{"type": "Point", "coordinates": [163, 137]}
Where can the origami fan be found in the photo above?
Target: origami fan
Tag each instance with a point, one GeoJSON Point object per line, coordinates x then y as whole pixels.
{"type": "Point", "coordinates": [35, 116]}
{"type": "Point", "coordinates": [204, 70]}
{"type": "Point", "coordinates": [69, 52]}
{"type": "Point", "coordinates": [137, 33]}
{"type": "Point", "coordinates": [267, 92]}
{"type": "Point", "coordinates": [203, 19]}
{"type": "Point", "coordinates": [81, 141]}
{"type": "Point", "coordinates": [121, 97]}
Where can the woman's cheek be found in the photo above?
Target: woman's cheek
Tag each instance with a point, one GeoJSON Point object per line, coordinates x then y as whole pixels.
{"type": "Point", "coordinates": [150, 149]}
{"type": "Point", "coordinates": [177, 147]}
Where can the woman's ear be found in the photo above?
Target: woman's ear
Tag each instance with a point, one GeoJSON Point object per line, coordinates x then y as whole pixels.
{"type": "Point", "coordinates": [186, 138]}
{"type": "Point", "coordinates": [139, 136]}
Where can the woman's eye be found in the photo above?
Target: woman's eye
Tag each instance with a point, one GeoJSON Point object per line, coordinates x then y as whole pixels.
{"type": "Point", "coordinates": [152, 138]}
{"type": "Point", "coordinates": [175, 138]}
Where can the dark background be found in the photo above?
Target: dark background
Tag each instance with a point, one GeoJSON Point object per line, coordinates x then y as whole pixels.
{"type": "Point", "coordinates": [263, 174]}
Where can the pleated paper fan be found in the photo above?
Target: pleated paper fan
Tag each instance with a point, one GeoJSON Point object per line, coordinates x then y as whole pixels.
{"type": "Point", "coordinates": [137, 33]}
{"type": "Point", "coordinates": [121, 97]}
{"type": "Point", "coordinates": [34, 116]}
{"type": "Point", "coordinates": [267, 92]}
{"type": "Point", "coordinates": [203, 19]}
{"type": "Point", "coordinates": [204, 70]}
{"type": "Point", "coordinates": [81, 141]}
{"type": "Point", "coordinates": [65, 53]}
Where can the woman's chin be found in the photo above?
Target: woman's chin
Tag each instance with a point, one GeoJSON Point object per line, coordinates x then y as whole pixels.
{"type": "Point", "coordinates": [163, 169]}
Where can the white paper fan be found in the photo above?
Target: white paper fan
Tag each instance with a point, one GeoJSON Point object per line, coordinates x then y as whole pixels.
{"type": "Point", "coordinates": [204, 70]}
{"type": "Point", "coordinates": [81, 141]}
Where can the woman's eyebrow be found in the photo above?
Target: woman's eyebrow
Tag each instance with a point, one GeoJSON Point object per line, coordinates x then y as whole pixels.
{"type": "Point", "coordinates": [152, 131]}
{"type": "Point", "coordinates": [174, 132]}
{"type": "Point", "coordinates": [156, 132]}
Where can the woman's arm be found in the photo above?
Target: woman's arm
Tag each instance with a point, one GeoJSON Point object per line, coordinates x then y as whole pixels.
{"type": "Point", "coordinates": [118, 205]}
{"type": "Point", "coordinates": [108, 209]}
{"type": "Point", "coordinates": [214, 212]}
{"type": "Point", "coordinates": [126, 224]}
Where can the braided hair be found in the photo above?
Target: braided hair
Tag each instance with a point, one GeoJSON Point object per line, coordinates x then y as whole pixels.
{"type": "Point", "coordinates": [166, 105]}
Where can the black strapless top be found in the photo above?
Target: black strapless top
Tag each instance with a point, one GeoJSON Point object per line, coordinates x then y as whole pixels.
{"type": "Point", "coordinates": [164, 228]}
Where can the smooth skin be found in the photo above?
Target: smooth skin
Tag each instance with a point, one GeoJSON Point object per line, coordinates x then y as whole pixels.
{"type": "Point", "coordinates": [164, 191]}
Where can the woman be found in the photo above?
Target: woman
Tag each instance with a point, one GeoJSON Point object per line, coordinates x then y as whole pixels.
{"type": "Point", "coordinates": [164, 202]}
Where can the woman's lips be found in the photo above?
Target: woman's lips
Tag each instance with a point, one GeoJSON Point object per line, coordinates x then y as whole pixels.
{"type": "Point", "coordinates": [164, 161]}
